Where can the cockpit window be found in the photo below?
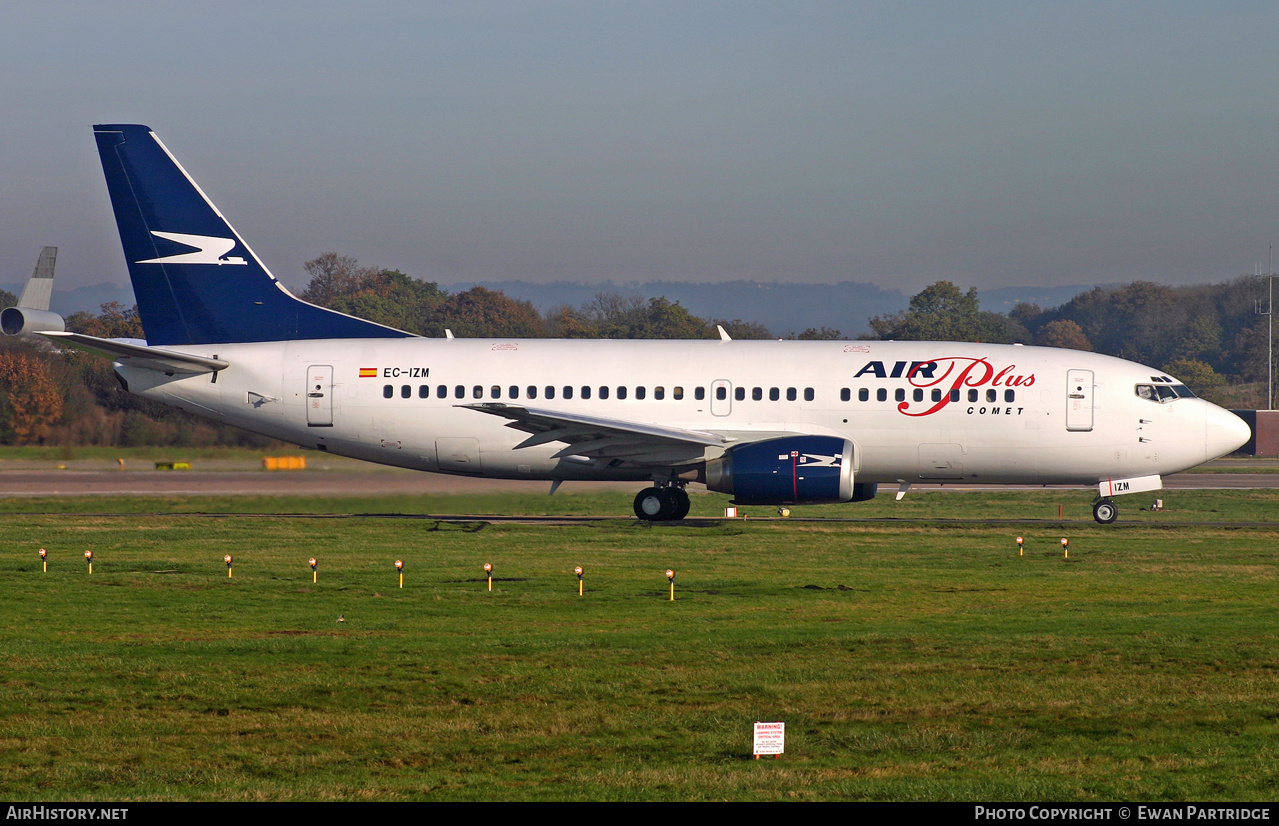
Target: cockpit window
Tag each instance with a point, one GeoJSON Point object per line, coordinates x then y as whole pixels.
{"type": "Point", "coordinates": [1163, 392]}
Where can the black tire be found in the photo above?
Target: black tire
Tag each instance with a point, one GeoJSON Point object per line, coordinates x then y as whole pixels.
{"type": "Point", "coordinates": [681, 503]}
{"type": "Point", "coordinates": [652, 505]}
{"type": "Point", "coordinates": [1105, 512]}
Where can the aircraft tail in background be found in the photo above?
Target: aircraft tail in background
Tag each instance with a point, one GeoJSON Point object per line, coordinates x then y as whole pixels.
{"type": "Point", "coordinates": [31, 314]}
{"type": "Point", "coordinates": [195, 279]}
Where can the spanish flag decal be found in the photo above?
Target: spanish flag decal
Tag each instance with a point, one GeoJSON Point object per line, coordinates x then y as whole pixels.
{"type": "Point", "coordinates": [368, 372]}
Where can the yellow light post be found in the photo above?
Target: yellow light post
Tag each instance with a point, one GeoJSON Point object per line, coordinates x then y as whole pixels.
{"type": "Point", "coordinates": [1065, 548]}
{"type": "Point", "coordinates": [1021, 546]}
{"type": "Point", "coordinates": [88, 557]}
{"type": "Point", "coordinates": [578, 571]}
{"type": "Point", "coordinates": [44, 562]}
{"type": "Point", "coordinates": [227, 560]}
{"type": "Point", "coordinates": [399, 566]}
{"type": "Point", "coordinates": [488, 569]}
{"type": "Point", "coordinates": [670, 575]}
{"type": "Point", "coordinates": [313, 563]}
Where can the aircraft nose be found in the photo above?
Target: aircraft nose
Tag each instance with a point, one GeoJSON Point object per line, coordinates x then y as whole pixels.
{"type": "Point", "coordinates": [1225, 432]}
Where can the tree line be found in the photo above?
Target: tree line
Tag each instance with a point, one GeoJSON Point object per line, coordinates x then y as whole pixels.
{"type": "Point", "coordinates": [1210, 336]}
{"type": "Point", "coordinates": [1215, 337]}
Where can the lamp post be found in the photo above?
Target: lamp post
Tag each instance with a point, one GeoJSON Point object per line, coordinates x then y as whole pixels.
{"type": "Point", "coordinates": [1270, 336]}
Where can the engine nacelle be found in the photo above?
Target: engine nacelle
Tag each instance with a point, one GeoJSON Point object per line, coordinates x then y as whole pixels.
{"type": "Point", "coordinates": [18, 320]}
{"type": "Point", "coordinates": [787, 471]}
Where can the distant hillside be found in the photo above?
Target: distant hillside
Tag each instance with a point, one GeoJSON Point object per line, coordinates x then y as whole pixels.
{"type": "Point", "coordinates": [783, 308]}
{"type": "Point", "coordinates": [87, 299]}
{"type": "Point", "coordinates": [1005, 298]}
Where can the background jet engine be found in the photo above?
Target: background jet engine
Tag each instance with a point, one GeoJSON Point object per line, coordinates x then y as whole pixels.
{"type": "Point", "coordinates": [18, 320]}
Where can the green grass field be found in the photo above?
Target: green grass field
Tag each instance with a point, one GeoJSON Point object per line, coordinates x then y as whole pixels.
{"type": "Point", "coordinates": [910, 659]}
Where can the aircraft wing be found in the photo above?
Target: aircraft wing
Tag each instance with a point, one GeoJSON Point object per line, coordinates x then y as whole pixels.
{"type": "Point", "coordinates": [600, 438]}
{"type": "Point", "coordinates": [139, 355]}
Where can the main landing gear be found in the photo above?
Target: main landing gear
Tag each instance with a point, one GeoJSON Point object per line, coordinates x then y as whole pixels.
{"type": "Point", "coordinates": [661, 504]}
{"type": "Point", "coordinates": [1104, 511]}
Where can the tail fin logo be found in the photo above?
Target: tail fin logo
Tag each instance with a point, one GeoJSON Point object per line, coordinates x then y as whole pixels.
{"type": "Point", "coordinates": [208, 250]}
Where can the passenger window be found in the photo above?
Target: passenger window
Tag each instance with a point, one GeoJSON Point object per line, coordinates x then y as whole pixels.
{"type": "Point", "coordinates": [899, 394]}
{"type": "Point", "coordinates": [603, 392]}
{"type": "Point", "coordinates": [640, 392]}
{"type": "Point", "coordinates": [512, 392]}
{"type": "Point", "coordinates": [809, 395]}
{"type": "Point", "coordinates": [881, 394]}
{"type": "Point", "coordinates": [918, 395]}
{"type": "Point", "coordinates": [442, 392]}
{"type": "Point", "coordinates": [774, 394]}
{"type": "Point", "coordinates": [621, 393]}
{"type": "Point", "coordinates": [388, 391]}
{"type": "Point", "coordinates": [659, 393]}
{"type": "Point", "coordinates": [973, 395]}
{"type": "Point", "coordinates": [721, 393]}
{"type": "Point", "coordinates": [586, 392]}
{"type": "Point", "coordinates": [845, 394]}
{"type": "Point", "coordinates": [1010, 395]}
{"type": "Point", "coordinates": [424, 392]}
{"type": "Point", "coordinates": [699, 393]}
{"type": "Point", "coordinates": [530, 392]}
{"type": "Point", "coordinates": [991, 395]}
{"type": "Point", "coordinates": [550, 391]}
{"type": "Point", "coordinates": [954, 395]}
{"type": "Point", "coordinates": [406, 392]}
{"type": "Point", "coordinates": [936, 395]}
{"type": "Point", "coordinates": [459, 392]}
{"type": "Point", "coordinates": [477, 391]}
{"type": "Point", "coordinates": [740, 394]}
{"type": "Point", "coordinates": [568, 391]}
{"type": "Point", "coordinates": [677, 393]}
{"type": "Point", "coordinates": [757, 394]}
{"type": "Point", "coordinates": [790, 394]}
{"type": "Point", "coordinates": [495, 392]}
{"type": "Point", "coordinates": [863, 395]}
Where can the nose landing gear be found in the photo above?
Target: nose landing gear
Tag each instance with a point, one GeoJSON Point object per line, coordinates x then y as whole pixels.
{"type": "Point", "coordinates": [1104, 511]}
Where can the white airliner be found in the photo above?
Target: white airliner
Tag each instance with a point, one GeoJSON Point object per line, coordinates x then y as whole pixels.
{"type": "Point", "coordinates": [768, 422]}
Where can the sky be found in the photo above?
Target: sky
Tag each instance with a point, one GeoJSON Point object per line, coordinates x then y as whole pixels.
{"type": "Point", "coordinates": [987, 143]}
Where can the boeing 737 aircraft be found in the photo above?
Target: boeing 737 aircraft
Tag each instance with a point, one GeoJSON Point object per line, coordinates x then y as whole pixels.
{"type": "Point", "coordinates": [767, 422]}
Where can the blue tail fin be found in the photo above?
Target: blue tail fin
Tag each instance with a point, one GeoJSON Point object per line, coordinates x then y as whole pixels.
{"type": "Point", "coordinates": [195, 280]}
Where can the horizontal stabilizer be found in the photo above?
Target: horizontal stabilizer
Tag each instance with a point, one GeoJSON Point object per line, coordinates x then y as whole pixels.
{"type": "Point", "coordinates": [139, 355]}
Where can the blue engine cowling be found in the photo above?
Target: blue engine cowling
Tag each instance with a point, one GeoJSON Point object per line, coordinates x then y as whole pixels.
{"type": "Point", "coordinates": [788, 471]}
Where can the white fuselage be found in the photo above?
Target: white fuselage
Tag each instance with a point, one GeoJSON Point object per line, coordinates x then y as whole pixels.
{"type": "Point", "coordinates": [972, 412]}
